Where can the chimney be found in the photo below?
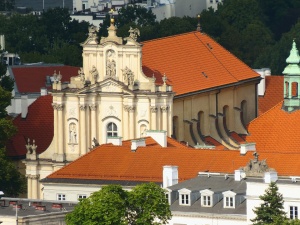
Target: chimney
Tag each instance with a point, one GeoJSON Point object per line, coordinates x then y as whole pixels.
{"type": "Point", "coordinates": [170, 176]}
{"type": "Point", "coordinates": [270, 177]}
{"type": "Point", "coordinates": [244, 148]}
{"type": "Point", "coordinates": [137, 143]}
{"type": "Point", "coordinates": [56, 206]}
{"type": "Point", "coordinates": [239, 175]}
{"type": "Point", "coordinates": [114, 140]}
{"type": "Point", "coordinates": [24, 105]}
{"type": "Point", "coordinates": [264, 72]}
{"type": "Point", "coordinates": [40, 208]}
{"type": "Point", "coordinates": [160, 136]}
{"type": "Point", "coordinates": [44, 91]}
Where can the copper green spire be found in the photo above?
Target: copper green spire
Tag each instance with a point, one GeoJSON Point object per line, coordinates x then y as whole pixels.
{"type": "Point", "coordinates": [292, 81]}
{"type": "Point", "coordinates": [293, 60]}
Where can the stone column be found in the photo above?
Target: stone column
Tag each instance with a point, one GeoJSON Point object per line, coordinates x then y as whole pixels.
{"type": "Point", "coordinates": [170, 120]}
{"type": "Point", "coordinates": [83, 148]}
{"type": "Point", "coordinates": [153, 118]}
{"type": "Point", "coordinates": [164, 110]}
{"type": "Point", "coordinates": [93, 122]}
{"type": "Point", "coordinates": [54, 105]}
{"type": "Point", "coordinates": [29, 186]}
{"type": "Point", "coordinates": [35, 194]}
{"type": "Point", "coordinates": [132, 126]}
{"type": "Point", "coordinates": [125, 123]}
{"type": "Point", "coordinates": [60, 134]}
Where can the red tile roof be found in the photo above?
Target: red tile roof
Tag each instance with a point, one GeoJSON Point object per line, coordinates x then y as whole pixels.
{"type": "Point", "coordinates": [32, 79]}
{"type": "Point", "coordinates": [276, 131]}
{"type": "Point", "coordinates": [109, 162]}
{"type": "Point", "coordinates": [193, 61]}
{"type": "Point", "coordinates": [118, 163]}
{"type": "Point", "coordinates": [273, 93]}
{"type": "Point", "coordinates": [37, 125]}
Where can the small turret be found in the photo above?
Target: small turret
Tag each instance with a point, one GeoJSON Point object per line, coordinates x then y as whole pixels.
{"type": "Point", "coordinates": [292, 80]}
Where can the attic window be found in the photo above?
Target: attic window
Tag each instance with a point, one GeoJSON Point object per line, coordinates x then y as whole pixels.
{"type": "Point", "coordinates": [229, 202]}
{"type": "Point", "coordinates": [229, 199]}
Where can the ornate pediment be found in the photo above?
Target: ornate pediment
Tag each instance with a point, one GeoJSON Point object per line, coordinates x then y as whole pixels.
{"type": "Point", "coordinates": [109, 85]}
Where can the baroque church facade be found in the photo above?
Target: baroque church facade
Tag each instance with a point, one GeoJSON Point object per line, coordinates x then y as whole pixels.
{"type": "Point", "coordinates": [186, 85]}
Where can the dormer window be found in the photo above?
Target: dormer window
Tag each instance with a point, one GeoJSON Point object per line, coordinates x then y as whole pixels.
{"type": "Point", "coordinates": [229, 199]}
{"type": "Point", "coordinates": [206, 198]}
{"type": "Point", "coordinates": [184, 197]}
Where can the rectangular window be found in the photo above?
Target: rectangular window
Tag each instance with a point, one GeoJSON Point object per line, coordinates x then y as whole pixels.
{"type": "Point", "coordinates": [293, 212]}
{"type": "Point", "coordinates": [229, 201]}
{"type": "Point", "coordinates": [184, 199]}
{"type": "Point", "coordinates": [81, 196]}
{"type": "Point", "coordinates": [61, 197]}
{"type": "Point", "coordinates": [206, 200]}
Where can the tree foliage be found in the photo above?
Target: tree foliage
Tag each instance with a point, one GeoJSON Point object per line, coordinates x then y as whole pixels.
{"type": "Point", "coordinates": [112, 205]}
{"type": "Point", "coordinates": [271, 210]}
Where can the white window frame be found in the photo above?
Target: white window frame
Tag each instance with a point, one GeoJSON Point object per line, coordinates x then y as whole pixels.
{"type": "Point", "coordinates": [61, 197]}
{"type": "Point", "coordinates": [113, 131]}
{"type": "Point", "coordinates": [206, 200]}
{"type": "Point", "coordinates": [81, 196]}
{"type": "Point", "coordinates": [185, 197]}
{"type": "Point", "coordinates": [227, 195]}
{"type": "Point", "coordinates": [294, 215]}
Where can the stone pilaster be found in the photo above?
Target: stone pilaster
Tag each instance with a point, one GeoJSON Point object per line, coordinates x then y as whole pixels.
{"type": "Point", "coordinates": [83, 147]}
{"type": "Point", "coordinates": [164, 110]}
{"type": "Point", "coordinates": [60, 134]}
{"type": "Point", "coordinates": [153, 110]}
{"type": "Point", "coordinates": [125, 123]}
{"type": "Point", "coordinates": [54, 105]}
{"type": "Point", "coordinates": [93, 109]}
{"type": "Point", "coordinates": [131, 111]}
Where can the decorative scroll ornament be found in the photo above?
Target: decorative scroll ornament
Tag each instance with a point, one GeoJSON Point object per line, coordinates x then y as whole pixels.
{"type": "Point", "coordinates": [82, 107]}
{"type": "Point", "coordinates": [59, 107]}
{"type": "Point", "coordinates": [93, 107]}
{"type": "Point", "coordinates": [164, 108]}
{"type": "Point", "coordinates": [128, 76]}
{"type": "Point", "coordinates": [153, 109]}
{"type": "Point", "coordinates": [129, 108]}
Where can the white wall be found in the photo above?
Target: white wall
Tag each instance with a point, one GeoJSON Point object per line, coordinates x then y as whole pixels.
{"type": "Point", "coordinates": [289, 190]}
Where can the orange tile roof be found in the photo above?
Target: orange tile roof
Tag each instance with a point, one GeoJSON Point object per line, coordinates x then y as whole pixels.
{"type": "Point", "coordinates": [273, 93]}
{"type": "Point", "coordinates": [276, 131]}
{"type": "Point", "coordinates": [192, 62]}
{"type": "Point", "coordinates": [108, 162]}
{"type": "Point", "coordinates": [118, 163]}
{"type": "Point", "coordinates": [33, 78]}
{"type": "Point", "coordinates": [40, 116]}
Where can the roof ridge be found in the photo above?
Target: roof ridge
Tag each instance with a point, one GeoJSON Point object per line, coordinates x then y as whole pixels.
{"type": "Point", "coordinates": [171, 36]}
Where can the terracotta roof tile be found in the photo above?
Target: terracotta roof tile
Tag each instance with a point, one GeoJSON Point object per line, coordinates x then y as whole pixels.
{"type": "Point", "coordinates": [273, 93]}
{"type": "Point", "coordinates": [119, 163]}
{"type": "Point", "coordinates": [276, 131]}
{"type": "Point", "coordinates": [40, 115]}
{"type": "Point", "coordinates": [195, 60]}
{"type": "Point", "coordinates": [32, 79]}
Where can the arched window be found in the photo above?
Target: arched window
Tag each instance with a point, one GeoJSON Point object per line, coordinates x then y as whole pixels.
{"type": "Point", "coordinates": [143, 130]}
{"type": "Point", "coordinates": [175, 127]}
{"type": "Point", "coordinates": [112, 130]}
{"type": "Point", "coordinates": [294, 90]}
{"type": "Point", "coordinates": [286, 89]}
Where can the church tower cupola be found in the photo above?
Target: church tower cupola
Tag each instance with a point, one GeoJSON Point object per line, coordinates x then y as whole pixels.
{"type": "Point", "coordinates": [292, 81]}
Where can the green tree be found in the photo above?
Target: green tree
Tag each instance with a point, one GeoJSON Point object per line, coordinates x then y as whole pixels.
{"type": "Point", "coordinates": [113, 205]}
{"type": "Point", "coordinates": [12, 182]}
{"type": "Point", "coordinates": [271, 210]}
{"type": "Point", "coordinates": [7, 5]}
{"type": "Point", "coordinates": [137, 14]}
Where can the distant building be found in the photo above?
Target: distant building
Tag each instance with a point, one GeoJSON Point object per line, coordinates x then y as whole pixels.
{"type": "Point", "coordinates": [40, 5]}
{"type": "Point", "coordinates": [33, 211]}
